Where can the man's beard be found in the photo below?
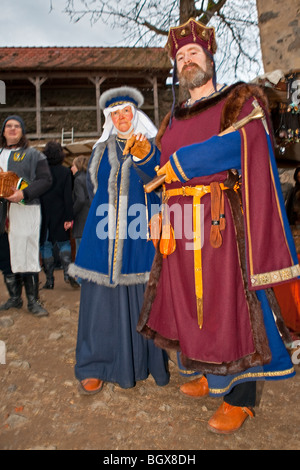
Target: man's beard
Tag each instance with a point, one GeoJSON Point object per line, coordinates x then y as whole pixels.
{"type": "Point", "coordinates": [191, 79]}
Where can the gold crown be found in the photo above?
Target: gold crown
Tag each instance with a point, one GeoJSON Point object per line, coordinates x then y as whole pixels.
{"type": "Point", "coordinates": [191, 32]}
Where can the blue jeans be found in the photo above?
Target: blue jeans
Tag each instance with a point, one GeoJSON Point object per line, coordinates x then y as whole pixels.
{"type": "Point", "coordinates": [47, 248]}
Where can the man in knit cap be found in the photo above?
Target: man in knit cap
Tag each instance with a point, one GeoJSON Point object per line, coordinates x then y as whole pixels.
{"type": "Point", "coordinates": [19, 246]}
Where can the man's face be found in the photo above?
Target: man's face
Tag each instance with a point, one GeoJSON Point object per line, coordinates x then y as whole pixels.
{"type": "Point", "coordinates": [122, 118]}
{"type": "Point", "coordinates": [193, 66]}
{"type": "Point", "coordinates": [12, 132]}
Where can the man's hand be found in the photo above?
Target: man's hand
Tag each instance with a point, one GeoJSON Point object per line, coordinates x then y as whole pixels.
{"type": "Point", "coordinates": [17, 196]}
{"type": "Point", "coordinates": [169, 172]}
{"type": "Point", "coordinates": [138, 146]}
{"type": "Point", "coordinates": [68, 224]}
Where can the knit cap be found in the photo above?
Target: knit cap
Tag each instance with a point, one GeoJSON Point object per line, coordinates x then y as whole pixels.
{"type": "Point", "coordinates": [16, 118]}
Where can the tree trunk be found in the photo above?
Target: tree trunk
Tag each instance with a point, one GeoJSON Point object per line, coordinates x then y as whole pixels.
{"type": "Point", "coordinates": [186, 10]}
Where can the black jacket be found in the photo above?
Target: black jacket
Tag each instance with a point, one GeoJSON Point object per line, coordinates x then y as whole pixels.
{"type": "Point", "coordinates": [57, 206]}
{"type": "Point", "coordinates": [81, 203]}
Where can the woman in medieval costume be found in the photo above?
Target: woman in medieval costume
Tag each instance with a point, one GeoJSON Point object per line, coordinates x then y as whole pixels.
{"type": "Point", "coordinates": [114, 258]}
{"type": "Point", "coordinates": [24, 215]}
{"type": "Point", "coordinates": [211, 298]}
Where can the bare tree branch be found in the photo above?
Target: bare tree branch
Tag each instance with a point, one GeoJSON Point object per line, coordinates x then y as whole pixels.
{"type": "Point", "coordinates": [146, 23]}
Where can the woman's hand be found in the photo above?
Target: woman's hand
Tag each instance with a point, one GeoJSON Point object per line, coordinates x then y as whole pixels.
{"type": "Point", "coordinates": [137, 145]}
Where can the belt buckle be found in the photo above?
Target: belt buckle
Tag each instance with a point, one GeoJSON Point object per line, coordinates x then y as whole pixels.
{"type": "Point", "coordinates": [184, 190]}
{"type": "Point", "coordinates": [187, 190]}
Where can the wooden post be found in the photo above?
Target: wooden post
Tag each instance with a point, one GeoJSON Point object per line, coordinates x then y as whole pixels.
{"type": "Point", "coordinates": [153, 82]}
{"type": "Point", "coordinates": [38, 82]}
{"type": "Point", "coordinates": [155, 99]}
{"type": "Point", "coordinates": [97, 81]}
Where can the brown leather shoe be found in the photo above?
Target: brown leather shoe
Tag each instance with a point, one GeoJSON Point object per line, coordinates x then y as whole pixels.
{"type": "Point", "coordinates": [228, 418]}
{"type": "Point", "coordinates": [195, 388]}
{"type": "Point", "coordinates": [91, 386]}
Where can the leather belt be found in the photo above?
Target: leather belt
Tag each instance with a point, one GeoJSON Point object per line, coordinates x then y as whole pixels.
{"type": "Point", "coordinates": [198, 191]}
{"type": "Point", "coordinates": [218, 224]}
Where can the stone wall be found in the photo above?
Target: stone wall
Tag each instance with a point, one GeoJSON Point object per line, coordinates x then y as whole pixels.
{"type": "Point", "coordinates": [279, 24]}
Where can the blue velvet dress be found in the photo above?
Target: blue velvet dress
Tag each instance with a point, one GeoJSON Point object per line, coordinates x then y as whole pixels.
{"type": "Point", "coordinates": [114, 270]}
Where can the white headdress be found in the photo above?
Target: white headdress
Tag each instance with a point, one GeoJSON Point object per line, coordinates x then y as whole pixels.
{"type": "Point", "coordinates": [118, 98]}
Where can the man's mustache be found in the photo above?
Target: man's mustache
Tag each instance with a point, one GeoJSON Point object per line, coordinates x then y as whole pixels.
{"type": "Point", "coordinates": [191, 64]}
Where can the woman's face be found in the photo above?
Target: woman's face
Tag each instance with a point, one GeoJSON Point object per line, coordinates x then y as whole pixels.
{"type": "Point", "coordinates": [12, 132]}
{"type": "Point", "coordinates": [122, 118]}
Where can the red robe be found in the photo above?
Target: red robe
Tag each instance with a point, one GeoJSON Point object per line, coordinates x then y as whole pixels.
{"type": "Point", "coordinates": [256, 252]}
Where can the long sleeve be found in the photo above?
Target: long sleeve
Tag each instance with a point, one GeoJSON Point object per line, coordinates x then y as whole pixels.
{"type": "Point", "coordinates": [68, 200]}
{"type": "Point", "coordinates": [211, 156]}
{"type": "Point", "coordinates": [79, 195]}
{"type": "Point", "coordinates": [41, 183]}
{"type": "Point", "coordinates": [147, 165]}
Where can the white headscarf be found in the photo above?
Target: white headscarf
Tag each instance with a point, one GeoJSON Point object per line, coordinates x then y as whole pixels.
{"type": "Point", "coordinates": [140, 123]}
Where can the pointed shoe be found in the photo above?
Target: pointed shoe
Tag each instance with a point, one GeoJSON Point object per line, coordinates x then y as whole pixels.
{"type": "Point", "coordinates": [195, 388]}
{"type": "Point", "coordinates": [90, 386]}
{"type": "Point", "coordinates": [228, 419]}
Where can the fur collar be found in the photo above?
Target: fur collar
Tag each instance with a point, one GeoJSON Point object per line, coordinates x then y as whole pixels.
{"type": "Point", "coordinates": [235, 96]}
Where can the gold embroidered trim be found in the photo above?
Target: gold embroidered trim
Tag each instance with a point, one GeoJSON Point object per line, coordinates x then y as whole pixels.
{"type": "Point", "coordinates": [176, 161]}
{"type": "Point", "coordinates": [255, 375]}
{"type": "Point", "coordinates": [117, 211]}
{"type": "Point", "coordinates": [117, 103]}
{"type": "Point", "coordinates": [247, 199]}
{"type": "Point", "coordinates": [275, 276]}
{"type": "Point", "coordinates": [147, 159]}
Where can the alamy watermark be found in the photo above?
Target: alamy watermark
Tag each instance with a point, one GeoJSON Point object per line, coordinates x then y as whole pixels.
{"type": "Point", "coordinates": [2, 92]}
{"type": "Point", "coordinates": [296, 93]}
{"type": "Point", "coordinates": [187, 221]}
{"type": "Point", "coordinates": [295, 346]}
{"type": "Point", "coordinates": [2, 353]}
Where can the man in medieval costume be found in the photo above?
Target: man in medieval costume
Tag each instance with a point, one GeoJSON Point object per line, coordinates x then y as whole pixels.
{"type": "Point", "coordinates": [211, 298]}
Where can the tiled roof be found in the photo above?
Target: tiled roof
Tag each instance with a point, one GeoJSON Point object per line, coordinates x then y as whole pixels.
{"type": "Point", "coordinates": [82, 58]}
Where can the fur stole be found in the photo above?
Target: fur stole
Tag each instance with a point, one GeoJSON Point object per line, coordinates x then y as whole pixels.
{"type": "Point", "coordinates": [235, 95]}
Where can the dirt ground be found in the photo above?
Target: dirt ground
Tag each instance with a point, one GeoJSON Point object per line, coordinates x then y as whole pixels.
{"type": "Point", "coordinates": [42, 409]}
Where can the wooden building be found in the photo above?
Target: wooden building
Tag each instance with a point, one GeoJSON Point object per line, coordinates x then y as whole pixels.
{"type": "Point", "coordinates": [57, 89]}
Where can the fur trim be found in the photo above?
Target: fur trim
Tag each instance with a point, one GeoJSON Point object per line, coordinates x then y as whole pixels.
{"type": "Point", "coordinates": [104, 279]}
{"type": "Point", "coordinates": [161, 130]}
{"type": "Point", "coordinates": [131, 92]}
{"type": "Point", "coordinates": [94, 164]}
{"type": "Point", "coordinates": [235, 96]}
{"type": "Point", "coordinates": [95, 276]}
{"type": "Point", "coordinates": [150, 294]}
{"type": "Point", "coordinates": [235, 101]}
{"type": "Point", "coordinates": [282, 328]}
